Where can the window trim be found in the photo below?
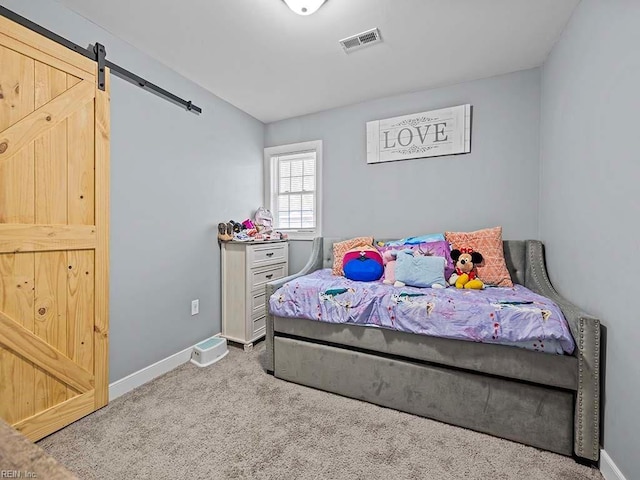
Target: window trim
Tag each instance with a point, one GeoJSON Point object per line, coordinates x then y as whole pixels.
{"type": "Point", "coordinates": [270, 177]}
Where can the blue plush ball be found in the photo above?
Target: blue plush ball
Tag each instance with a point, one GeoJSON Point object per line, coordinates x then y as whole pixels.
{"type": "Point", "coordinates": [363, 270]}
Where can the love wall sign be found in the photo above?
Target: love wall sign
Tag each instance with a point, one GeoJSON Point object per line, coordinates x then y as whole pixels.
{"type": "Point", "coordinates": [428, 134]}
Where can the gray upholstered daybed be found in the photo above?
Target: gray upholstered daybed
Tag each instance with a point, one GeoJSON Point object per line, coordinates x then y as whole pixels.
{"type": "Point", "coordinates": [540, 399]}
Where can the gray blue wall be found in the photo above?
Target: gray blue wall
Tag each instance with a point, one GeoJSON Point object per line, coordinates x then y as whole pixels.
{"type": "Point", "coordinates": [496, 184]}
{"type": "Point", "coordinates": [589, 195]}
{"type": "Point", "coordinates": [174, 175]}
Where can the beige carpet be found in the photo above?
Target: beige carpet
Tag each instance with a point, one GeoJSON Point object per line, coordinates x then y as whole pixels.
{"type": "Point", "coordinates": [232, 420]}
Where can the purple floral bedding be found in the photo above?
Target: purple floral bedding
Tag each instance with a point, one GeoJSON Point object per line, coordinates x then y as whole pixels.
{"type": "Point", "coordinates": [509, 316]}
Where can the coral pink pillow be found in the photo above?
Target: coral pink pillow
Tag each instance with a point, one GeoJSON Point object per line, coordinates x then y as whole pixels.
{"type": "Point", "coordinates": [489, 243]}
{"type": "Point", "coordinates": [340, 248]}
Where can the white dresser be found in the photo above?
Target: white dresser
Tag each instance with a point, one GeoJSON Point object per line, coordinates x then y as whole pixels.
{"type": "Point", "coordinates": [246, 268]}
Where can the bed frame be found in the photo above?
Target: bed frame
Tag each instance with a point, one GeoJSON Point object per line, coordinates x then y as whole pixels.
{"type": "Point", "coordinates": [547, 401]}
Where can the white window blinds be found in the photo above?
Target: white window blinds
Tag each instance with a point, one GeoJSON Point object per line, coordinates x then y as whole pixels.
{"type": "Point", "coordinates": [296, 191]}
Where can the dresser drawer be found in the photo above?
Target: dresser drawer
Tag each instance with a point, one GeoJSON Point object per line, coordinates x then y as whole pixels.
{"type": "Point", "coordinates": [257, 302]}
{"type": "Point", "coordinates": [259, 326]}
{"type": "Point", "coordinates": [261, 276]}
{"type": "Point", "coordinates": [267, 254]}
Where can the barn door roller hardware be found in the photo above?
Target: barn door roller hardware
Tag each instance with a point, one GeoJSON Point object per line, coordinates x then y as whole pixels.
{"type": "Point", "coordinates": [101, 54]}
{"type": "Point", "coordinates": [98, 53]}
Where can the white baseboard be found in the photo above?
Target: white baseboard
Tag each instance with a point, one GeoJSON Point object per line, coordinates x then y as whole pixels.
{"type": "Point", "coordinates": [608, 468]}
{"type": "Point", "coordinates": [136, 379]}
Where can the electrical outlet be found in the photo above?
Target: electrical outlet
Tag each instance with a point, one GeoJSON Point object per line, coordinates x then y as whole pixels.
{"type": "Point", "coordinates": [195, 307]}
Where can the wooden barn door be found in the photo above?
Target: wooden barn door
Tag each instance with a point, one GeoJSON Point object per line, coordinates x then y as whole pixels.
{"type": "Point", "coordinates": [54, 171]}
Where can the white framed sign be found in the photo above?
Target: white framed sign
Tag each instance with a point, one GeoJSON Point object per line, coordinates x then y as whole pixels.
{"type": "Point", "coordinates": [427, 134]}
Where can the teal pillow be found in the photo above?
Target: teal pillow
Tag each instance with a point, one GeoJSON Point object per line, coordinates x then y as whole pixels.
{"type": "Point", "coordinates": [420, 271]}
{"type": "Point", "coordinates": [430, 237]}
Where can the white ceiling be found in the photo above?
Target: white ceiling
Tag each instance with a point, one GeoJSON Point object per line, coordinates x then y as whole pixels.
{"type": "Point", "coordinates": [263, 58]}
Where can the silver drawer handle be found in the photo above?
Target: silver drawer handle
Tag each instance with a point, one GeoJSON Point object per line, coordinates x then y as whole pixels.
{"type": "Point", "coordinates": [270, 254]}
{"type": "Point", "coordinates": [269, 276]}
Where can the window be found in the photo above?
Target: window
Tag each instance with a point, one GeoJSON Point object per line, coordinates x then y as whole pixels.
{"type": "Point", "coordinates": [293, 191]}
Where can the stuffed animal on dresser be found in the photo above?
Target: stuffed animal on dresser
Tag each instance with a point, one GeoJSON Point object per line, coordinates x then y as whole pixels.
{"type": "Point", "coordinates": [466, 274]}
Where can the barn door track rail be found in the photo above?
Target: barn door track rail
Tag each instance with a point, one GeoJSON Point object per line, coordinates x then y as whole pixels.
{"type": "Point", "coordinates": [98, 54]}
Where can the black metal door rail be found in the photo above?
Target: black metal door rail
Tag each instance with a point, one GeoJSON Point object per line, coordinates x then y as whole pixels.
{"type": "Point", "coordinates": [98, 53]}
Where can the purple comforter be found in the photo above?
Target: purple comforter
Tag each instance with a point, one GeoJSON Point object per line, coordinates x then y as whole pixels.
{"type": "Point", "coordinates": [511, 316]}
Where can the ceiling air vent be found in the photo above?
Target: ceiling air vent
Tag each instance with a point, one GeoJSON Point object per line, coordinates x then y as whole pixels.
{"type": "Point", "coordinates": [364, 39]}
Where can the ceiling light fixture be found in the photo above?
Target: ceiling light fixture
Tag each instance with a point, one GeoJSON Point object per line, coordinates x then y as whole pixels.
{"type": "Point", "coordinates": [304, 7]}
